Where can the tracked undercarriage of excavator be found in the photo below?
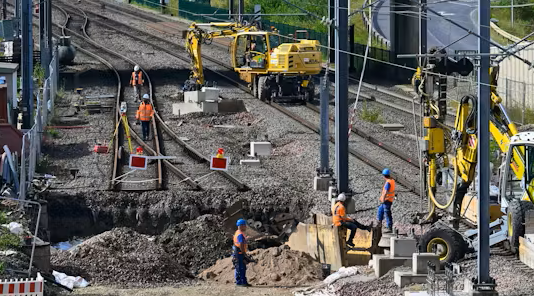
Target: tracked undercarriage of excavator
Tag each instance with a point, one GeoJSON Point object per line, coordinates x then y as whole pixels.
{"type": "Point", "coordinates": [449, 152]}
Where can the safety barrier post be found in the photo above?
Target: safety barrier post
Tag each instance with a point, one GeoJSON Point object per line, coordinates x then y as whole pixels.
{"type": "Point", "coordinates": [22, 287]}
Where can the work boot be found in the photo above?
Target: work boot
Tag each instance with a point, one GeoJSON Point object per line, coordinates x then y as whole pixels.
{"type": "Point", "coordinates": [388, 230]}
{"type": "Point", "coordinates": [350, 244]}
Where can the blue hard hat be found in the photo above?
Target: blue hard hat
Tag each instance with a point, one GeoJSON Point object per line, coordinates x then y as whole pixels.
{"type": "Point", "coordinates": [385, 172]}
{"type": "Point", "coordinates": [241, 222]}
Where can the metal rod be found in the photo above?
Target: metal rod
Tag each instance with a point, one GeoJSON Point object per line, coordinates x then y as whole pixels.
{"type": "Point", "coordinates": [342, 116]}
{"type": "Point", "coordinates": [483, 142]}
{"type": "Point", "coordinates": [422, 30]}
{"type": "Point", "coordinates": [409, 55]}
{"type": "Point", "coordinates": [251, 14]}
{"type": "Point", "coordinates": [325, 138]}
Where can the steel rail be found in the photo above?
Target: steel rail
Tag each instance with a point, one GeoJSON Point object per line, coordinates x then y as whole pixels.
{"type": "Point", "coordinates": [186, 147]}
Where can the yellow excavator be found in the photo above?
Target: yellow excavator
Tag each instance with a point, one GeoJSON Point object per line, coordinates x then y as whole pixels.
{"type": "Point", "coordinates": [450, 160]}
{"type": "Point", "coordinates": [272, 69]}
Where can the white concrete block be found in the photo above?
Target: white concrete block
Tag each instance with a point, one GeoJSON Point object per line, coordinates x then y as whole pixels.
{"type": "Point", "coordinates": [321, 183]}
{"type": "Point", "coordinates": [194, 97]}
{"type": "Point", "coordinates": [210, 93]}
{"type": "Point", "coordinates": [250, 162]}
{"type": "Point", "coordinates": [260, 148]}
{"type": "Point", "coordinates": [185, 108]}
{"type": "Point", "coordinates": [405, 278]}
{"type": "Point", "coordinates": [210, 106]}
{"type": "Point", "coordinates": [402, 247]}
{"type": "Point", "coordinates": [420, 262]}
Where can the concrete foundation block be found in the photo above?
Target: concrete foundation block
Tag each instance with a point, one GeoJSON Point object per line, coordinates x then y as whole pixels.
{"type": "Point", "coordinates": [402, 247]}
{"type": "Point", "coordinates": [185, 108]}
{"type": "Point", "coordinates": [194, 97]}
{"type": "Point", "coordinates": [420, 262]}
{"type": "Point", "coordinates": [260, 148]}
{"type": "Point", "coordinates": [210, 106]}
{"type": "Point", "coordinates": [405, 278]}
{"type": "Point", "coordinates": [383, 263]}
{"type": "Point", "coordinates": [210, 93]}
{"type": "Point", "coordinates": [385, 240]}
{"type": "Point", "coordinates": [232, 106]}
{"type": "Point", "coordinates": [250, 162]}
{"type": "Point", "coordinates": [321, 183]}
{"type": "Point", "coordinates": [392, 126]}
{"type": "Point", "coordinates": [468, 290]}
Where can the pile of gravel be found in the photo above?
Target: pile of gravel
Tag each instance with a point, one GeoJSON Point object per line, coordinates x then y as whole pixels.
{"type": "Point", "coordinates": [121, 257]}
{"type": "Point", "coordinates": [197, 244]}
{"type": "Point", "coordinates": [275, 266]}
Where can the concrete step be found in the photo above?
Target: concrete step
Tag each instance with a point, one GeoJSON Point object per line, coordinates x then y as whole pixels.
{"type": "Point", "coordinates": [383, 263]}
{"type": "Point", "coordinates": [405, 278]}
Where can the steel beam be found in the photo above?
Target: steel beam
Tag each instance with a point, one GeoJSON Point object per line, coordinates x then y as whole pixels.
{"type": "Point", "coordinates": [483, 185]}
{"type": "Point", "coordinates": [27, 64]}
{"type": "Point", "coordinates": [342, 116]}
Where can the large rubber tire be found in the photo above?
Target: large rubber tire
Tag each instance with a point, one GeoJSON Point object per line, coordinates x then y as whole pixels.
{"type": "Point", "coordinates": [453, 245]}
{"type": "Point", "coordinates": [516, 222]}
{"type": "Point", "coordinates": [264, 92]}
{"type": "Point", "coordinates": [310, 93]}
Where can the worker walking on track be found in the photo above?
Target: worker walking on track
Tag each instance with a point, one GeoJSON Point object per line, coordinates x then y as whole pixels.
{"type": "Point", "coordinates": [339, 216]}
{"type": "Point", "coordinates": [137, 81]}
{"type": "Point", "coordinates": [239, 254]}
{"type": "Point", "coordinates": [386, 201]}
{"type": "Point", "coordinates": [144, 114]}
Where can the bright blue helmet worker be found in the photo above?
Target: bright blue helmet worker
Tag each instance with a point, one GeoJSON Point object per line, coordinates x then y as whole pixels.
{"type": "Point", "coordinates": [385, 172]}
{"type": "Point", "coordinates": [241, 222]}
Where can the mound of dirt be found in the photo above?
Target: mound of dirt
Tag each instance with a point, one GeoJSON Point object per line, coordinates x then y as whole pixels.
{"type": "Point", "coordinates": [121, 257]}
{"type": "Point", "coordinates": [197, 244]}
{"type": "Point", "coordinates": [275, 266]}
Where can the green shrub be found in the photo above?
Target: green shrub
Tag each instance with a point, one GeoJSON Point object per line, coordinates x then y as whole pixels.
{"type": "Point", "coordinates": [372, 115]}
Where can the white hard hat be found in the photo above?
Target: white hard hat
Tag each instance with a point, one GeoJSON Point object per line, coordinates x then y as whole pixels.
{"type": "Point", "coordinates": [136, 68]}
{"type": "Point", "coordinates": [145, 96]}
{"type": "Point", "coordinates": [341, 197]}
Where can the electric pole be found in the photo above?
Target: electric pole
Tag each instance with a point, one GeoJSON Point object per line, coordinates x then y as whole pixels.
{"type": "Point", "coordinates": [342, 116]}
{"type": "Point", "coordinates": [27, 64]}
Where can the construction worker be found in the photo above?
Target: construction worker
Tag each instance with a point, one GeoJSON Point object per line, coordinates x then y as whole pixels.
{"type": "Point", "coordinates": [339, 216]}
{"type": "Point", "coordinates": [239, 254]}
{"type": "Point", "coordinates": [137, 81]}
{"type": "Point", "coordinates": [386, 201]}
{"type": "Point", "coordinates": [144, 114]}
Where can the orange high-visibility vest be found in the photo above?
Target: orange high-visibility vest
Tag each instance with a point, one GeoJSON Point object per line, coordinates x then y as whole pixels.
{"type": "Point", "coordinates": [237, 243]}
{"type": "Point", "coordinates": [339, 214]}
{"type": "Point", "coordinates": [137, 80]}
{"type": "Point", "coordinates": [145, 112]}
{"type": "Point", "coordinates": [390, 194]}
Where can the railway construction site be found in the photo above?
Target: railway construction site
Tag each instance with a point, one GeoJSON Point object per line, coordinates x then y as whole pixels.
{"type": "Point", "coordinates": [167, 230]}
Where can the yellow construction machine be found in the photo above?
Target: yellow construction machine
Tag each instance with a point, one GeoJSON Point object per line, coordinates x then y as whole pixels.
{"type": "Point", "coordinates": [450, 160]}
{"type": "Point", "coordinates": [272, 69]}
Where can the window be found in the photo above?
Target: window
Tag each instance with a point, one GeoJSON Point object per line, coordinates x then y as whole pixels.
{"type": "Point", "coordinates": [274, 41]}
{"type": "Point", "coordinates": [241, 48]}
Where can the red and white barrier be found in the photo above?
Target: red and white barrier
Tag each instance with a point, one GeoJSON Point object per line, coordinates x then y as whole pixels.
{"type": "Point", "coordinates": [21, 287]}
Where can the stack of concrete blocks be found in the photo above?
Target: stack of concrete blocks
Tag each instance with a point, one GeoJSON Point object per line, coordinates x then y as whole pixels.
{"type": "Point", "coordinates": [210, 104]}
{"type": "Point", "coordinates": [400, 253]}
{"type": "Point", "coordinates": [419, 272]}
{"type": "Point", "coordinates": [257, 149]}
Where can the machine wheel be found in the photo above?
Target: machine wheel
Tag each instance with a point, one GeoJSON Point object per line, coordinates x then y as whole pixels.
{"type": "Point", "coordinates": [309, 94]}
{"type": "Point", "coordinates": [263, 89]}
{"type": "Point", "coordinates": [516, 222]}
{"type": "Point", "coordinates": [444, 241]}
{"type": "Point", "coordinates": [255, 88]}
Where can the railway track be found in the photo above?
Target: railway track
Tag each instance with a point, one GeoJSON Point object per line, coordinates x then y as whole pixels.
{"type": "Point", "coordinates": [162, 44]}
{"type": "Point", "coordinates": [192, 153]}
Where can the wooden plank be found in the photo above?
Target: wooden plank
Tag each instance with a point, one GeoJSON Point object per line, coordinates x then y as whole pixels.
{"type": "Point", "coordinates": [526, 252]}
{"type": "Point", "coordinates": [312, 243]}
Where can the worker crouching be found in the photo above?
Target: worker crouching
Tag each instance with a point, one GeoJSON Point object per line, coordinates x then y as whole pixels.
{"type": "Point", "coordinates": [144, 114]}
{"type": "Point", "coordinates": [239, 254]}
{"type": "Point", "coordinates": [339, 216]}
{"type": "Point", "coordinates": [386, 201]}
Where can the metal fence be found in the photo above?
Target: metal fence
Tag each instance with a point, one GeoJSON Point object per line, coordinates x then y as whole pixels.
{"type": "Point", "coordinates": [32, 139]}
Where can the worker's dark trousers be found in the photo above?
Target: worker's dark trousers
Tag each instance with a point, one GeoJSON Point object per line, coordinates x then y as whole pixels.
{"type": "Point", "coordinates": [240, 270]}
{"type": "Point", "coordinates": [145, 126]}
{"type": "Point", "coordinates": [353, 225]}
{"type": "Point", "coordinates": [385, 208]}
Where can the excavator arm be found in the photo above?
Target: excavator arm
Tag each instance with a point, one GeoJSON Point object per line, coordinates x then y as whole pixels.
{"type": "Point", "coordinates": [204, 33]}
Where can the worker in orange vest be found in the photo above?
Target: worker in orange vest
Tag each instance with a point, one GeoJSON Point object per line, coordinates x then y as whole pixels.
{"type": "Point", "coordinates": [144, 114]}
{"type": "Point", "coordinates": [339, 216]}
{"type": "Point", "coordinates": [240, 258]}
{"type": "Point", "coordinates": [386, 201]}
{"type": "Point", "coordinates": [137, 81]}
